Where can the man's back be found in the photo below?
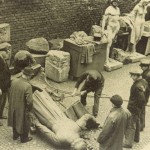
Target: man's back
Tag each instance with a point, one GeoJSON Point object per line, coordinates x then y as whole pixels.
{"type": "Point", "coordinates": [111, 137]}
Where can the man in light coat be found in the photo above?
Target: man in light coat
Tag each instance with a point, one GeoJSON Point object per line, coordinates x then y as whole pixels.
{"type": "Point", "coordinates": [118, 120]}
{"type": "Point", "coordinates": [20, 104]}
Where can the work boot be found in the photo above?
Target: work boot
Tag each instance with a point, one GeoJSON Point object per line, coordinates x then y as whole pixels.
{"type": "Point", "coordinates": [1, 124]}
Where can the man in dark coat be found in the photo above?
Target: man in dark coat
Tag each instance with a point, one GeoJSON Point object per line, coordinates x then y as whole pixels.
{"type": "Point", "coordinates": [20, 104]}
{"type": "Point", "coordinates": [94, 82]}
{"type": "Point", "coordinates": [137, 101]}
{"type": "Point", "coordinates": [115, 126]}
{"type": "Point", "coordinates": [4, 85]}
{"type": "Point", "coordinates": [145, 66]}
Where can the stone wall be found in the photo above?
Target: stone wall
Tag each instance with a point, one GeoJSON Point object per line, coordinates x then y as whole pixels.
{"type": "Point", "coordinates": [52, 18]}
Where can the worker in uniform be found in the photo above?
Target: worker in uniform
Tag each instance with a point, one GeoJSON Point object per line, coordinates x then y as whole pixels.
{"type": "Point", "coordinates": [145, 66]}
{"type": "Point", "coordinates": [137, 101]}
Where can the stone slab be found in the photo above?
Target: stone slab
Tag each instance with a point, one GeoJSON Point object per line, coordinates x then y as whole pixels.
{"type": "Point", "coordinates": [126, 57]}
{"type": "Point", "coordinates": [4, 32]}
{"type": "Point", "coordinates": [113, 65]}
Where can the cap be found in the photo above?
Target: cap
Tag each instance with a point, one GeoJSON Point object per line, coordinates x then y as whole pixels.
{"type": "Point", "coordinates": [136, 72]}
{"type": "Point", "coordinates": [116, 100]}
{"type": "Point", "coordinates": [28, 71]}
{"type": "Point", "coordinates": [145, 62]}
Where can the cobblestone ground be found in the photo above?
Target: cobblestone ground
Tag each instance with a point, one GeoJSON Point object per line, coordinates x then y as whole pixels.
{"type": "Point", "coordinates": [116, 82]}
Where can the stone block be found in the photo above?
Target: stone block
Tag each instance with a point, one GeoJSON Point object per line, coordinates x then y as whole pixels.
{"type": "Point", "coordinates": [4, 32]}
{"type": "Point", "coordinates": [113, 65]}
{"type": "Point", "coordinates": [57, 65]}
{"type": "Point", "coordinates": [38, 46]}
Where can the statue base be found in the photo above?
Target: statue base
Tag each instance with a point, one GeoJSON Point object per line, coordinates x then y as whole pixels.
{"type": "Point", "coordinates": [127, 57]}
{"type": "Point", "coordinates": [112, 65]}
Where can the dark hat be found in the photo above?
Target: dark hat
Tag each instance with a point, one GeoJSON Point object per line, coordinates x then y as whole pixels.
{"type": "Point", "coordinates": [145, 62]}
{"type": "Point", "coordinates": [28, 71]}
{"type": "Point", "coordinates": [136, 72]}
{"type": "Point", "coordinates": [116, 100]}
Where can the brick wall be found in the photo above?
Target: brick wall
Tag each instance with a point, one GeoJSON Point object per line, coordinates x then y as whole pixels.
{"type": "Point", "coordinates": [51, 18]}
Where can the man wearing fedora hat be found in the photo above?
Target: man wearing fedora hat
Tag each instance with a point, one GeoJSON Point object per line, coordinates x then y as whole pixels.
{"type": "Point", "coordinates": [20, 104]}
{"type": "Point", "coordinates": [115, 126]}
{"type": "Point", "coordinates": [137, 100]}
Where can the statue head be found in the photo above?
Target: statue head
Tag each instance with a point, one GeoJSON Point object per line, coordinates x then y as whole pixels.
{"type": "Point", "coordinates": [79, 144]}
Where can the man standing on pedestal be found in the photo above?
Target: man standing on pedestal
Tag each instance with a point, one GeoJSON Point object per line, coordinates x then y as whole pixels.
{"type": "Point", "coordinates": [94, 82]}
{"type": "Point", "coordinates": [137, 101]}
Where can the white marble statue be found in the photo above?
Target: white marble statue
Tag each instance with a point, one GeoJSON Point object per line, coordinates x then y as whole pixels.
{"type": "Point", "coordinates": [111, 25]}
{"type": "Point", "coordinates": [137, 15]}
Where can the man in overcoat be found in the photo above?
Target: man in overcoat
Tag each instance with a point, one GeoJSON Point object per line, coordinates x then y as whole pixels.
{"type": "Point", "coordinates": [115, 126]}
{"type": "Point", "coordinates": [93, 82]}
{"type": "Point", "coordinates": [4, 84]}
{"type": "Point", "coordinates": [20, 104]}
{"type": "Point", "coordinates": [145, 66]}
{"type": "Point", "coordinates": [137, 101]}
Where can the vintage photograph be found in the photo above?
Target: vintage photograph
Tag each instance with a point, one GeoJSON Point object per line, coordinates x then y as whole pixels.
{"type": "Point", "coordinates": [74, 74]}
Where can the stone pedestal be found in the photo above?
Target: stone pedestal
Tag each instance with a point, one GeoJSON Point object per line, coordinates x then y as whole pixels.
{"type": "Point", "coordinates": [57, 65]}
{"type": "Point", "coordinates": [4, 32]}
{"type": "Point", "coordinates": [113, 65]}
{"type": "Point", "coordinates": [127, 57]}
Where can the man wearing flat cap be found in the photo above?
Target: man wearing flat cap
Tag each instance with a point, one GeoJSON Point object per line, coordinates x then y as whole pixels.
{"type": "Point", "coordinates": [20, 104]}
{"type": "Point", "coordinates": [137, 100]}
{"type": "Point", "coordinates": [115, 126]}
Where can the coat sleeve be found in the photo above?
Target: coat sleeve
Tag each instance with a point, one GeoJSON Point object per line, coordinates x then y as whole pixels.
{"type": "Point", "coordinates": [140, 95]}
{"type": "Point", "coordinates": [81, 78]}
{"type": "Point", "coordinates": [107, 131]}
{"type": "Point", "coordinates": [28, 97]}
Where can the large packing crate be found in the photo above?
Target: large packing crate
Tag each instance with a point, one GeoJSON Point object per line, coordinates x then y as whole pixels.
{"type": "Point", "coordinates": [57, 65]}
{"type": "Point", "coordinates": [75, 50]}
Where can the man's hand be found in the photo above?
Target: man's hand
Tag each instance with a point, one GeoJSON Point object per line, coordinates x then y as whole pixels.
{"type": "Point", "coordinates": [0, 92]}
{"type": "Point", "coordinates": [83, 92]}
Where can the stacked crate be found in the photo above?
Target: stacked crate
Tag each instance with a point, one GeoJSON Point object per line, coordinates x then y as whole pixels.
{"type": "Point", "coordinates": [57, 65]}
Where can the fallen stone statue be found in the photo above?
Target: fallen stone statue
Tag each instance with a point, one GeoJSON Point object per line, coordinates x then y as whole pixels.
{"type": "Point", "coordinates": [55, 126]}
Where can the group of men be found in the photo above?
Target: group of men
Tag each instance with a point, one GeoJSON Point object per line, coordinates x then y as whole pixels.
{"type": "Point", "coordinates": [118, 124]}
{"type": "Point", "coordinates": [19, 94]}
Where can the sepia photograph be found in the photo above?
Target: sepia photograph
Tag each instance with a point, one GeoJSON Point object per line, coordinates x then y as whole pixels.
{"type": "Point", "coordinates": [74, 74]}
